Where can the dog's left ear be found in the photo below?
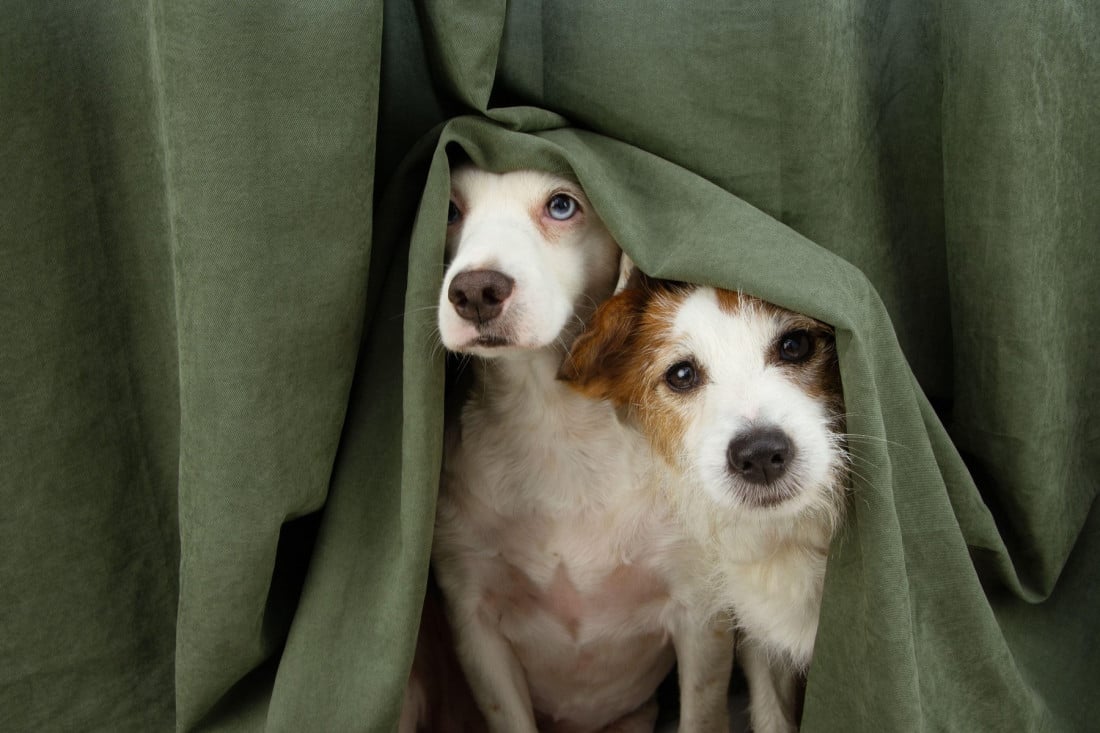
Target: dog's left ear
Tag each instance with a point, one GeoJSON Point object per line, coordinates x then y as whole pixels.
{"type": "Point", "coordinates": [600, 356]}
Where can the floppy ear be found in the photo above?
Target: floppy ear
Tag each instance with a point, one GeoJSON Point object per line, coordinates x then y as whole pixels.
{"type": "Point", "coordinates": [629, 274]}
{"type": "Point", "coordinates": [631, 278]}
{"type": "Point", "coordinates": [599, 358]}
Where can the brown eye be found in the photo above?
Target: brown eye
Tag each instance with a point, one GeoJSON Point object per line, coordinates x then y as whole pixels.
{"type": "Point", "coordinates": [682, 376]}
{"type": "Point", "coordinates": [796, 346]}
{"type": "Point", "coordinates": [453, 214]}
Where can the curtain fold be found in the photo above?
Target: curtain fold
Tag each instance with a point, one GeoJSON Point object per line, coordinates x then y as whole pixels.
{"type": "Point", "coordinates": [221, 390]}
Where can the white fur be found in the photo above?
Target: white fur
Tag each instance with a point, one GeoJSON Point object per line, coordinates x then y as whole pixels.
{"type": "Point", "coordinates": [498, 231]}
{"type": "Point", "coordinates": [569, 583]}
{"type": "Point", "coordinates": [767, 563]}
{"type": "Point", "coordinates": [744, 389]}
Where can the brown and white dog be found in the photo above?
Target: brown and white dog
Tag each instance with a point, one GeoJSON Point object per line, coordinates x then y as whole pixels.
{"type": "Point", "coordinates": [743, 401]}
{"type": "Point", "coordinates": [567, 579]}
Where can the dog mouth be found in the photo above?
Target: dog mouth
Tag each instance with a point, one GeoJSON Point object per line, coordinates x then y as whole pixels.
{"type": "Point", "coordinates": [487, 339]}
{"type": "Point", "coordinates": [511, 331]}
{"type": "Point", "coordinates": [490, 341]}
{"type": "Point", "coordinates": [763, 497]}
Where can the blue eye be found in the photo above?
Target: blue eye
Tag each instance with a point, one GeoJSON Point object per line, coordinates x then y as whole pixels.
{"type": "Point", "coordinates": [453, 214]}
{"type": "Point", "coordinates": [562, 207]}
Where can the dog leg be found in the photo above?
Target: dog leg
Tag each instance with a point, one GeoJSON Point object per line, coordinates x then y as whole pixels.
{"type": "Point", "coordinates": [772, 689]}
{"type": "Point", "coordinates": [704, 658]}
{"type": "Point", "coordinates": [495, 676]}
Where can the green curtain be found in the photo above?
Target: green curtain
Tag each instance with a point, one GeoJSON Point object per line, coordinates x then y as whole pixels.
{"type": "Point", "coordinates": [221, 392]}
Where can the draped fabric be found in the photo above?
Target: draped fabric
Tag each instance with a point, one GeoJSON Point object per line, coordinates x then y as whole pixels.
{"type": "Point", "coordinates": [221, 391]}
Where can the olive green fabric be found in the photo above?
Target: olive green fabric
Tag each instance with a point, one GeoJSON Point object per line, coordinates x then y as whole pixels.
{"type": "Point", "coordinates": [221, 390]}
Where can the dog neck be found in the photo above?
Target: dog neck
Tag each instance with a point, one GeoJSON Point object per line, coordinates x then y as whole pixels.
{"type": "Point", "coordinates": [748, 536]}
{"type": "Point", "coordinates": [576, 454]}
{"type": "Point", "coordinates": [526, 377]}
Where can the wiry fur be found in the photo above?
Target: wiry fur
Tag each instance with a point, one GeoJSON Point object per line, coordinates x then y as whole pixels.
{"type": "Point", "coordinates": [765, 546]}
{"type": "Point", "coordinates": [566, 576]}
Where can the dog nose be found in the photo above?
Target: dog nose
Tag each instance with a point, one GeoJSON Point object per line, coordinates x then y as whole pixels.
{"type": "Point", "coordinates": [479, 295]}
{"type": "Point", "coordinates": [760, 456]}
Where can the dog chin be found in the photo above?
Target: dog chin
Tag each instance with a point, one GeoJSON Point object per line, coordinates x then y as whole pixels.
{"type": "Point", "coordinates": [495, 346]}
{"type": "Point", "coordinates": [500, 340]}
{"type": "Point", "coordinates": [467, 339]}
{"type": "Point", "coordinates": [489, 347]}
{"type": "Point", "coordinates": [781, 500]}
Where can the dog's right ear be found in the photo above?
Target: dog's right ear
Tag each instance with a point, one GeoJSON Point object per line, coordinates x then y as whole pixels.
{"type": "Point", "coordinates": [627, 271]}
{"type": "Point", "coordinates": [599, 358]}
{"type": "Point", "coordinates": [631, 278]}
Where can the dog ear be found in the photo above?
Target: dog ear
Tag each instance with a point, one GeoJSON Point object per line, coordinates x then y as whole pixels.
{"type": "Point", "coordinates": [628, 273]}
{"type": "Point", "coordinates": [600, 356]}
{"type": "Point", "coordinates": [631, 278]}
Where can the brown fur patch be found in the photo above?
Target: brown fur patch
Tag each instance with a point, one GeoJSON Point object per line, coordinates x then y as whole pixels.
{"type": "Point", "coordinates": [729, 301]}
{"type": "Point", "coordinates": [819, 375]}
{"type": "Point", "coordinates": [660, 410]}
{"type": "Point", "coordinates": [617, 357]}
{"type": "Point", "coordinates": [599, 357]}
{"type": "Point", "coordinates": [613, 359]}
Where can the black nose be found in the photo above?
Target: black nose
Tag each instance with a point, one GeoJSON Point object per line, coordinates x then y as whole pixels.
{"type": "Point", "coordinates": [760, 455]}
{"type": "Point", "coordinates": [479, 295]}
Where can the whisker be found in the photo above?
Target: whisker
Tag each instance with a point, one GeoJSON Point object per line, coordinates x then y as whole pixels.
{"type": "Point", "coordinates": [414, 311]}
{"type": "Point", "coordinates": [873, 438]}
{"type": "Point", "coordinates": [567, 355]}
{"type": "Point", "coordinates": [420, 309]}
{"type": "Point", "coordinates": [859, 475]}
{"type": "Point", "coordinates": [861, 463]}
{"type": "Point", "coordinates": [438, 349]}
{"type": "Point", "coordinates": [463, 364]}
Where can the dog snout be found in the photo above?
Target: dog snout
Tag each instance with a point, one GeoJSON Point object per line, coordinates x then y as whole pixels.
{"type": "Point", "coordinates": [479, 295]}
{"type": "Point", "coordinates": [760, 455]}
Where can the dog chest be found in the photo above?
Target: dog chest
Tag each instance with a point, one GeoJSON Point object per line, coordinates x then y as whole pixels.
{"type": "Point", "coordinates": [546, 465]}
{"type": "Point", "coordinates": [777, 600]}
{"type": "Point", "coordinates": [589, 630]}
{"type": "Point", "coordinates": [583, 598]}
{"type": "Point", "coordinates": [583, 579]}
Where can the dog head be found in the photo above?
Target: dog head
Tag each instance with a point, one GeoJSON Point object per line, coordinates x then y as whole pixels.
{"type": "Point", "coordinates": [740, 395]}
{"type": "Point", "coordinates": [529, 259]}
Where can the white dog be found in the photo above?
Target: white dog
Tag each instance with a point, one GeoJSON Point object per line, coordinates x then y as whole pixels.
{"type": "Point", "coordinates": [743, 400]}
{"type": "Point", "coordinates": [565, 577]}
